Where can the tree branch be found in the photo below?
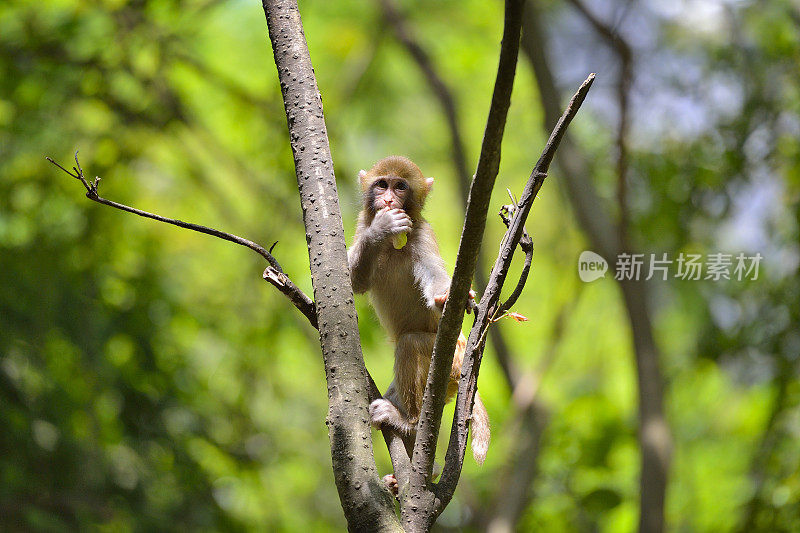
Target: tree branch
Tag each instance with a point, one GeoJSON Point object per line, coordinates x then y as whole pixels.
{"type": "Point", "coordinates": [597, 224]}
{"type": "Point", "coordinates": [399, 445]}
{"type": "Point", "coordinates": [624, 80]}
{"type": "Point", "coordinates": [488, 306]}
{"type": "Point", "coordinates": [526, 245]}
{"type": "Point", "coordinates": [273, 273]}
{"type": "Point", "coordinates": [447, 102]}
{"type": "Point", "coordinates": [366, 503]}
{"type": "Point", "coordinates": [423, 510]}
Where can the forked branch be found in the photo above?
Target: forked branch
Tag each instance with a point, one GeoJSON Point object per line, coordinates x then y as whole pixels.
{"type": "Point", "coordinates": [489, 304]}
{"type": "Point", "coordinates": [424, 504]}
{"type": "Point", "coordinates": [526, 245]}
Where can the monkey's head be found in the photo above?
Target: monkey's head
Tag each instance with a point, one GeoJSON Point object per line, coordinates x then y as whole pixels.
{"type": "Point", "coordinates": [397, 183]}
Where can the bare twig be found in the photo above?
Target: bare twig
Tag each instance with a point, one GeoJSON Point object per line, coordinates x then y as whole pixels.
{"type": "Point", "coordinates": [399, 445]}
{"type": "Point", "coordinates": [273, 273]}
{"type": "Point", "coordinates": [526, 245]}
{"type": "Point", "coordinates": [92, 194]}
{"type": "Point", "coordinates": [488, 305]}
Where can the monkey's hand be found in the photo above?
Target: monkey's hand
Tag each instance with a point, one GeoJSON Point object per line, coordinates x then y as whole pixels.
{"type": "Point", "coordinates": [388, 223]}
{"type": "Point", "coordinates": [442, 298]}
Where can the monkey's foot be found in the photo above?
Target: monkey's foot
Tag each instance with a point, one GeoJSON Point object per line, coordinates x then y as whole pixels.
{"type": "Point", "coordinates": [440, 299]}
{"type": "Point", "coordinates": [382, 412]}
{"type": "Point", "coordinates": [391, 483]}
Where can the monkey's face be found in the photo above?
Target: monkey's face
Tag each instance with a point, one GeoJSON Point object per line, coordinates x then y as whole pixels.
{"type": "Point", "coordinates": [389, 192]}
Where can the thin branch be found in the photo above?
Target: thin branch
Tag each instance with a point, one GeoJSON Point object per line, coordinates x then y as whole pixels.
{"type": "Point", "coordinates": [399, 453]}
{"type": "Point", "coordinates": [92, 194]}
{"type": "Point", "coordinates": [424, 508]}
{"type": "Point", "coordinates": [399, 445]}
{"type": "Point", "coordinates": [273, 273]}
{"type": "Point", "coordinates": [526, 245]}
{"type": "Point", "coordinates": [624, 52]}
{"type": "Point", "coordinates": [595, 220]}
{"type": "Point", "coordinates": [447, 102]}
{"type": "Point", "coordinates": [488, 306]}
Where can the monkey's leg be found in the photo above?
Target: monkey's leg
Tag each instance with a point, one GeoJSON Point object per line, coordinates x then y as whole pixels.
{"type": "Point", "coordinates": [401, 404]}
{"type": "Point", "coordinates": [412, 360]}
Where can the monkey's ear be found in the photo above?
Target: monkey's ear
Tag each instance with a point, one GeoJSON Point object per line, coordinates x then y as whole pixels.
{"type": "Point", "coordinates": [362, 178]}
{"type": "Point", "coordinates": [428, 184]}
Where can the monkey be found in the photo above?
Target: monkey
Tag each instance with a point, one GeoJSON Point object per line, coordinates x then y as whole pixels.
{"type": "Point", "coordinates": [408, 286]}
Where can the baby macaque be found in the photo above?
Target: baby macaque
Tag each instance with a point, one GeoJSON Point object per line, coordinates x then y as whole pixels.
{"type": "Point", "coordinates": [396, 258]}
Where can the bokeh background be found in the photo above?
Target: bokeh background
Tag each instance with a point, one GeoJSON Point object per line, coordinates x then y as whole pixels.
{"type": "Point", "coordinates": [150, 380]}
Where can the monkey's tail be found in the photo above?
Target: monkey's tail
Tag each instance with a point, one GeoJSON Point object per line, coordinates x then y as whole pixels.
{"type": "Point", "coordinates": [481, 433]}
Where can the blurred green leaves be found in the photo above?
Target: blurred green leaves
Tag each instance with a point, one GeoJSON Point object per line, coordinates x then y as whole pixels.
{"type": "Point", "coordinates": [150, 380]}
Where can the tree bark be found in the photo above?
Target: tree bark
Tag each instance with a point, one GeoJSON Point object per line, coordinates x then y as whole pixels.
{"type": "Point", "coordinates": [367, 505]}
{"type": "Point", "coordinates": [422, 505]}
{"type": "Point", "coordinates": [604, 236]}
{"type": "Point", "coordinates": [490, 306]}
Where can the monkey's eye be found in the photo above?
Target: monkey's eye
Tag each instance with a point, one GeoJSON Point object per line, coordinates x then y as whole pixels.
{"type": "Point", "coordinates": [381, 184]}
{"type": "Point", "coordinates": [402, 185]}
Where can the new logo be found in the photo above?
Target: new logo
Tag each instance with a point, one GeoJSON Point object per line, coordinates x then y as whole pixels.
{"type": "Point", "coordinates": [591, 266]}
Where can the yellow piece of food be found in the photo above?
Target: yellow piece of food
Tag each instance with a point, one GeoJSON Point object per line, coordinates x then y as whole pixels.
{"type": "Point", "coordinates": [399, 241]}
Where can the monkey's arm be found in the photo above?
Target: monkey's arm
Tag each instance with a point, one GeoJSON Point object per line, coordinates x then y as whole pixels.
{"type": "Point", "coordinates": [434, 282]}
{"type": "Point", "coordinates": [361, 257]}
{"type": "Point", "coordinates": [431, 275]}
{"type": "Point", "coordinates": [429, 271]}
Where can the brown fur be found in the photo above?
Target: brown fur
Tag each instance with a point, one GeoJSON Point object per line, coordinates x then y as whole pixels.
{"type": "Point", "coordinates": [401, 167]}
{"type": "Point", "coordinates": [407, 287]}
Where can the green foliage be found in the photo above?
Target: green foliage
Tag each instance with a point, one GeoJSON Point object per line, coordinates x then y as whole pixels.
{"type": "Point", "coordinates": [150, 380]}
